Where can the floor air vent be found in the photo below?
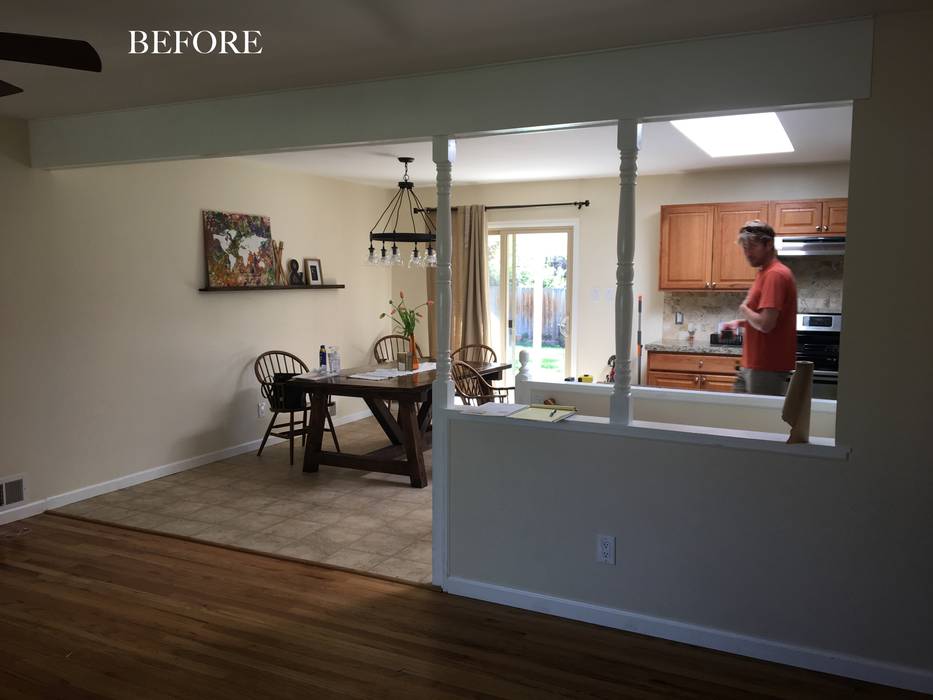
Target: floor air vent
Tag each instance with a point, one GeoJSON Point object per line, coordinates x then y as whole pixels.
{"type": "Point", "coordinates": [12, 491]}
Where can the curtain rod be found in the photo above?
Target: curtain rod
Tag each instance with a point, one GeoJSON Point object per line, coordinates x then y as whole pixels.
{"type": "Point", "coordinates": [578, 205]}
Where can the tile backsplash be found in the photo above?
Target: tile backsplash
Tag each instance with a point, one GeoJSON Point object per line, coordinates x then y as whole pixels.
{"type": "Point", "coordinates": [819, 289]}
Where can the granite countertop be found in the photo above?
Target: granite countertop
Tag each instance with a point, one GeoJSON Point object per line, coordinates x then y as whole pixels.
{"type": "Point", "coordinates": [697, 346]}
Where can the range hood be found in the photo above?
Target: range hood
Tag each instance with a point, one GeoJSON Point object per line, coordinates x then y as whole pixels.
{"type": "Point", "coordinates": [796, 246]}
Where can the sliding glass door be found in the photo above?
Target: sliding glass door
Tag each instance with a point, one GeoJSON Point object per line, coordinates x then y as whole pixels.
{"type": "Point", "coordinates": [530, 297]}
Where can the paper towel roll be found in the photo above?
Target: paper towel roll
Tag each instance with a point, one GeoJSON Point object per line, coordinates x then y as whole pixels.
{"type": "Point", "coordinates": [796, 411]}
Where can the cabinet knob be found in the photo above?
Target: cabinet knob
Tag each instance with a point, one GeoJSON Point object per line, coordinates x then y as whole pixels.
{"type": "Point", "coordinates": [713, 285]}
{"type": "Point", "coordinates": [703, 380]}
{"type": "Point", "coordinates": [696, 380]}
{"type": "Point", "coordinates": [819, 228]}
{"type": "Point", "coordinates": [700, 363]}
{"type": "Point", "coordinates": [707, 285]}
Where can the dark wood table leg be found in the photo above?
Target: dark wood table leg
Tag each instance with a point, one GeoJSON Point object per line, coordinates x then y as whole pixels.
{"type": "Point", "coordinates": [389, 425]}
{"type": "Point", "coordinates": [414, 449]}
{"type": "Point", "coordinates": [312, 459]}
{"type": "Point", "coordinates": [424, 415]}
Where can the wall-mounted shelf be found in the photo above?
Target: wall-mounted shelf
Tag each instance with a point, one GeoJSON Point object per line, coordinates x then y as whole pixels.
{"type": "Point", "coordinates": [263, 289]}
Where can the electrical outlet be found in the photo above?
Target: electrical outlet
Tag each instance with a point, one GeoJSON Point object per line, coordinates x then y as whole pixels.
{"type": "Point", "coordinates": [678, 317]}
{"type": "Point", "coordinates": [261, 408]}
{"type": "Point", "coordinates": [606, 549]}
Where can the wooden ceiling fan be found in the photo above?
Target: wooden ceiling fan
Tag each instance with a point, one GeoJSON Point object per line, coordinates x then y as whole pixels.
{"type": "Point", "coordinates": [46, 51]}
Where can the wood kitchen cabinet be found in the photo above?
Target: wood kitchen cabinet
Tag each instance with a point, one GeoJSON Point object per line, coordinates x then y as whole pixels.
{"type": "Point", "coordinates": [679, 370]}
{"type": "Point", "coordinates": [699, 248]}
{"type": "Point", "coordinates": [686, 246]}
{"type": "Point", "coordinates": [809, 217]}
{"type": "Point", "coordinates": [698, 241]}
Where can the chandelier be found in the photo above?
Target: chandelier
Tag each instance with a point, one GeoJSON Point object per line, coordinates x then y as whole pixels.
{"type": "Point", "coordinates": [393, 212]}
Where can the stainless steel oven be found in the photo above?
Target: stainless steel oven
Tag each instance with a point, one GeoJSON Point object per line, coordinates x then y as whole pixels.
{"type": "Point", "coordinates": [818, 342]}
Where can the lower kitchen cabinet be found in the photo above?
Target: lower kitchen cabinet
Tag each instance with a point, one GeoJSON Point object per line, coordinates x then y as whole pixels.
{"type": "Point", "coordinates": [696, 371]}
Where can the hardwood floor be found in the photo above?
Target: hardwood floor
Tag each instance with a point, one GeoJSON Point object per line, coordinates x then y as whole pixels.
{"type": "Point", "coordinates": [90, 610]}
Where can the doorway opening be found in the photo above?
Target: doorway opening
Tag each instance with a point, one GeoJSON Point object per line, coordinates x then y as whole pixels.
{"type": "Point", "coordinates": [531, 296]}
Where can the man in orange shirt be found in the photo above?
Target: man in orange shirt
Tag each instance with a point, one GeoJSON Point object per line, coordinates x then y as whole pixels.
{"type": "Point", "coordinates": [769, 316]}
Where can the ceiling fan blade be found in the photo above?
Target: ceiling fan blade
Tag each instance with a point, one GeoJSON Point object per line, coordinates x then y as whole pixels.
{"type": "Point", "coordinates": [49, 51]}
{"type": "Point", "coordinates": [8, 89]}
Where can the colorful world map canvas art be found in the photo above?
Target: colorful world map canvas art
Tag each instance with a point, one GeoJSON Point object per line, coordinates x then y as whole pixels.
{"type": "Point", "coordinates": [238, 250]}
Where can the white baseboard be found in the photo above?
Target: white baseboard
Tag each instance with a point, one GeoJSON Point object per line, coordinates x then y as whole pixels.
{"type": "Point", "coordinates": [803, 657]}
{"type": "Point", "coordinates": [32, 508]}
{"type": "Point", "coordinates": [24, 510]}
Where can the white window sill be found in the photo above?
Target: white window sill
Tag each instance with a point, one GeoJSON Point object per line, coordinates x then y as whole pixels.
{"type": "Point", "coordinates": [824, 448]}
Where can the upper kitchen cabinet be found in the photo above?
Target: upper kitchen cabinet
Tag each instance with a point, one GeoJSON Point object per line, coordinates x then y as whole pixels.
{"type": "Point", "coordinates": [809, 217]}
{"type": "Point", "coordinates": [730, 269]}
{"type": "Point", "coordinates": [686, 245]}
{"type": "Point", "coordinates": [699, 249]}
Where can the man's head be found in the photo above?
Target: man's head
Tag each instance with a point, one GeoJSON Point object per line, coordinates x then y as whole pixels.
{"type": "Point", "coordinates": [757, 241]}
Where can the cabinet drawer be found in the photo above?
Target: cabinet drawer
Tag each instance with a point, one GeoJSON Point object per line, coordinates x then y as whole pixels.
{"type": "Point", "coordinates": [689, 380]}
{"type": "Point", "coordinates": [684, 362]}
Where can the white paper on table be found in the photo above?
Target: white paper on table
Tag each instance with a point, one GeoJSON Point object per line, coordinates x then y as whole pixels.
{"type": "Point", "coordinates": [391, 373]}
{"type": "Point", "coordinates": [376, 375]}
{"type": "Point", "coordinates": [315, 374]}
{"type": "Point", "coordinates": [495, 409]}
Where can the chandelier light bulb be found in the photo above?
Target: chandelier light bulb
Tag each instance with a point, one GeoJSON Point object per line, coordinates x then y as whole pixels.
{"type": "Point", "coordinates": [430, 259]}
{"type": "Point", "coordinates": [396, 259]}
{"type": "Point", "coordinates": [371, 258]}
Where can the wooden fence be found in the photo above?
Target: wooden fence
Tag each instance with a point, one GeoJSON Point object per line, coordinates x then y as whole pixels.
{"type": "Point", "coordinates": [555, 309]}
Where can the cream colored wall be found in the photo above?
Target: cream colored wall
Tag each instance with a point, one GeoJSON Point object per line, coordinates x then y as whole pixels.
{"type": "Point", "coordinates": [595, 268]}
{"type": "Point", "coordinates": [823, 555]}
{"type": "Point", "coordinates": [112, 361]}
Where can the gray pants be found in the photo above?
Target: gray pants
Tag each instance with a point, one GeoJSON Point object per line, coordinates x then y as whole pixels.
{"type": "Point", "coordinates": [761, 381]}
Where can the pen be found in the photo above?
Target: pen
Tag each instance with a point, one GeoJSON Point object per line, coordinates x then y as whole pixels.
{"type": "Point", "coordinates": [552, 413]}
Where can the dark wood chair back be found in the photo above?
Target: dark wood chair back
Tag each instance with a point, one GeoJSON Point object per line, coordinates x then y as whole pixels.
{"type": "Point", "coordinates": [388, 347]}
{"type": "Point", "coordinates": [474, 353]}
{"type": "Point", "coordinates": [278, 362]}
{"type": "Point", "coordinates": [472, 388]}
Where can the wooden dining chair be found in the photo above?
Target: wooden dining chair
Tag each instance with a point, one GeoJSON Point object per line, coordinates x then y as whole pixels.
{"type": "Point", "coordinates": [388, 347]}
{"type": "Point", "coordinates": [472, 387]}
{"type": "Point", "coordinates": [273, 370]}
{"type": "Point", "coordinates": [474, 353]}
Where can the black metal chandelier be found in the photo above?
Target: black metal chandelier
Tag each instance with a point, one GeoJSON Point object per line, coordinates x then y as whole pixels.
{"type": "Point", "coordinates": [390, 217]}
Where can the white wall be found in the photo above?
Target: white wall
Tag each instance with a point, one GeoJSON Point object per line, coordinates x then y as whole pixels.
{"type": "Point", "coordinates": [112, 361]}
{"type": "Point", "coordinates": [829, 557]}
{"type": "Point", "coordinates": [595, 266]}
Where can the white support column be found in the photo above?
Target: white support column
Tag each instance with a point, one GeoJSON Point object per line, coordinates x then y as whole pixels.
{"type": "Point", "coordinates": [620, 406]}
{"type": "Point", "coordinates": [444, 153]}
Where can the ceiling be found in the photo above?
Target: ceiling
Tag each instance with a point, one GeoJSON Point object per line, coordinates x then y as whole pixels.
{"type": "Point", "coordinates": [818, 135]}
{"type": "Point", "coordinates": [321, 42]}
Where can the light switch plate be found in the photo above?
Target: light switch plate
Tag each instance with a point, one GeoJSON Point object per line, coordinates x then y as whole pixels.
{"type": "Point", "coordinates": [678, 317]}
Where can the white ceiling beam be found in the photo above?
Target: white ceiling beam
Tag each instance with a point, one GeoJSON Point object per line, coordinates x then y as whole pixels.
{"type": "Point", "coordinates": [809, 65]}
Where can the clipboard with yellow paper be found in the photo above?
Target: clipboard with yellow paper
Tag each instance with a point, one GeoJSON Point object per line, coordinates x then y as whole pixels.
{"type": "Point", "coordinates": [545, 413]}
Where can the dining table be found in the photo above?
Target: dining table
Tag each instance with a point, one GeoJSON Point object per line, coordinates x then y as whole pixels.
{"type": "Point", "coordinates": [408, 430]}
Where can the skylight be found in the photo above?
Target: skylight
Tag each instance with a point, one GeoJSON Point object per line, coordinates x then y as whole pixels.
{"type": "Point", "coordinates": [737, 134]}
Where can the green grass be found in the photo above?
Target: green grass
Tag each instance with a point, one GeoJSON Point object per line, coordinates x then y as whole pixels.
{"type": "Point", "coordinates": [548, 361]}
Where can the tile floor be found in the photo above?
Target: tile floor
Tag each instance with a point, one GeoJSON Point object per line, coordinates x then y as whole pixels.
{"type": "Point", "coordinates": [357, 520]}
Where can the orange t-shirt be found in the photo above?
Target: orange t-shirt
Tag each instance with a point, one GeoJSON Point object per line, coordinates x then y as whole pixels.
{"type": "Point", "coordinates": [774, 288]}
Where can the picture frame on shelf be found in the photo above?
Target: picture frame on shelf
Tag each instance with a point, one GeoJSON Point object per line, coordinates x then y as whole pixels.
{"type": "Point", "coordinates": [314, 275]}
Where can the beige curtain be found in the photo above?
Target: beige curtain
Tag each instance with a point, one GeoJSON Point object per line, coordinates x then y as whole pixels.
{"type": "Point", "coordinates": [469, 281]}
